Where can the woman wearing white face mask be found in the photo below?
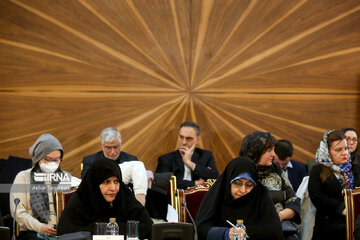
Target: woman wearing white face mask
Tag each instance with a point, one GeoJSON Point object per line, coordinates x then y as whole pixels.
{"type": "Point", "coordinates": [36, 212]}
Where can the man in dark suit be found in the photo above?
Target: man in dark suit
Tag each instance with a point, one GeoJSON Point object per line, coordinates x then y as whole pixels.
{"type": "Point", "coordinates": [190, 165]}
{"type": "Point", "coordinates": [295, 171]}
{"type": "Point", "coordinates": [110, 141]}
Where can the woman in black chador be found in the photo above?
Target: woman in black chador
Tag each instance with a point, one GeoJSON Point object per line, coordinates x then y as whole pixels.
{"type": "Point", "coordinates": [237, 194]}
{"type": "Point", "coordinates": [100, 196]}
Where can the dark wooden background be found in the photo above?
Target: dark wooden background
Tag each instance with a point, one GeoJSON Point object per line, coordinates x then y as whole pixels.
{"type": "Point", "coordinates": [72, 68]}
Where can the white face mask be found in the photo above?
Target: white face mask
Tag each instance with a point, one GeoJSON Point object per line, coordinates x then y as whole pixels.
{"type": "Point", "coordinates": [49, 167]}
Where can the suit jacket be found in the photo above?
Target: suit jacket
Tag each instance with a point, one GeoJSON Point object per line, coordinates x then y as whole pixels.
{"type": "Point", "coordinates": [296, 173]}
{"type": "Point", "coordinates": [172, 162]}
{"type": "Point", "coordinates": [89, 160]}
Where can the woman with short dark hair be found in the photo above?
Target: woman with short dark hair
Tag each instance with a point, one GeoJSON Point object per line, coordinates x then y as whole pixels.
{"type": "Point", "coordinates": [259, 147]}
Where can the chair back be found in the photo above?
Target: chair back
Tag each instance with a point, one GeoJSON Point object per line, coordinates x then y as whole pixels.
{"type": "Point", "coordinates": [193, 197]}
{"type": "Point", "coordinates": [352, 205]}
{"type": "Point", "coordinates": [62, 198]}
{"type": "Point", "coordinates": [173, 191]}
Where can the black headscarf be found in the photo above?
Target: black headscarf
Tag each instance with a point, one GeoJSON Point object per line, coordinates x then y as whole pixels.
{"type": "Point", "coordinates": [88, 205]}
{"type": "Point", "coordinates": [355, 155]}
{"type": "Point", "coordinates": [255, 208]}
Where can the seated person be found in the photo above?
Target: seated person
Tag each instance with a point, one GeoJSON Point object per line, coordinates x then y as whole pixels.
{"type": "Point", "coordinates": [259, 147]}
{"type": "Point", "coordinates": [190, 165]}
{"type": "Point", "coordinates": [36, 212]}
{"type": "Point", "coordinates": [294, 170]}
{"type": "Point", "coordinates": [352, 139]}
{"type": "Point", "coordinates": [238, 194]}
{"type": "Point", "coordinates": [102, 195]}
{"type": "Point", "coordinates": [328, 178]}
{"type": "Point", "coordinates": [135, 173]}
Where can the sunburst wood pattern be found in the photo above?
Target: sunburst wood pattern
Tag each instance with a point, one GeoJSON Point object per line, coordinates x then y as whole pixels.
{"type": "Point", "coordinates": [72, 68]}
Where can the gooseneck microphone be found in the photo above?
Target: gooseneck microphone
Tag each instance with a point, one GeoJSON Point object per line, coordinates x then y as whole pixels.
{"type": "Point", "coordinates": [192, 220]}
{"type": "Point", "coordinates": [16, 201]}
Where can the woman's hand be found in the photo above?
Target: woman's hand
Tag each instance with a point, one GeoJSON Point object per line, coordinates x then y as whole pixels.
{"type": "Point", "coordinates": [285, 214]}
{"type": "Point", "coordinates": [233, 231]}
{"type": "Point", "coordinates": [48, 229]}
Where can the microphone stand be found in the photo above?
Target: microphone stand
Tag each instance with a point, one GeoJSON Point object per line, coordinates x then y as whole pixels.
{"type": "Point", "coordinates": [16, 201]}
{"type": "Point", "coordinates": [192, 220]}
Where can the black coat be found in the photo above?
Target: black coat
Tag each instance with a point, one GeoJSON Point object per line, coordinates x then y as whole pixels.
{"type": "Point", "coordinates": [172, 162]}
{"type": "Point", "coordinates": [329, 202]}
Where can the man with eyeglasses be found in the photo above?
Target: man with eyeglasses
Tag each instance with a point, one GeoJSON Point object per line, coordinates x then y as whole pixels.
{"type": "Point", "coordinates": [133, 171]}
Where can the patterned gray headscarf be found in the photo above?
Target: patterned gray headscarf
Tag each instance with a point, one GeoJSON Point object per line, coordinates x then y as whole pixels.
{"type": "Point", "coordinates": [323, 153]}
{"type": "Point", "coordinates": [344, 172]}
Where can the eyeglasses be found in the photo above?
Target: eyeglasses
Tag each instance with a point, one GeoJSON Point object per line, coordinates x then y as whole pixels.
{"type": "Point", "coordinates": [49, 159]}
{"type": "Point", "coordinates": [349, 139]}
{"type": "Point", "coordinates": [239, 183]}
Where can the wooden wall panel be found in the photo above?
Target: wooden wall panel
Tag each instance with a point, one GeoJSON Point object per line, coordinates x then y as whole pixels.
{"type": "Point", "coordinates": [72, 68]}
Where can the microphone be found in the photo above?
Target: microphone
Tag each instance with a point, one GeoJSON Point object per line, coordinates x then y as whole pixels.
{"type": "Point", "coordinates": [16, 201]}
{"type": "Point", "coordinates": [192, 220]}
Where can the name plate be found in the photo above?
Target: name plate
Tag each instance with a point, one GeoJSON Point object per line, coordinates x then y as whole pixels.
{"type": "Point", "coordinates": [108, 237]}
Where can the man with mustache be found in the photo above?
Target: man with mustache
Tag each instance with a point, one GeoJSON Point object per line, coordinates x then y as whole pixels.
{"type": "Point", "coordinates": [133, 171]}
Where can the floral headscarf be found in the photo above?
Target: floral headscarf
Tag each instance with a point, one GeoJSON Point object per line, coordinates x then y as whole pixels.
{"type": "Point", "coordinates": [346, 177]}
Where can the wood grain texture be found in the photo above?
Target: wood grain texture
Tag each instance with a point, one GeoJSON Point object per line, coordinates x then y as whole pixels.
{"type": "Point", "coordinates": [72, 68]}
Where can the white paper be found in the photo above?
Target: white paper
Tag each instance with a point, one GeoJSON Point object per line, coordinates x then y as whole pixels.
{"type": "Point", "coordinates": [172, 215]}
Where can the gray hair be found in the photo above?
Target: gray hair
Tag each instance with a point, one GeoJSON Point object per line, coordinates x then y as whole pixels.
{"type": "Point", "coordinates": [109, 134]}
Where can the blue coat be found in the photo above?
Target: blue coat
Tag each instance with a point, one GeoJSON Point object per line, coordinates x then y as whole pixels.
{"type": "Point", "coordinates": [296, 173]}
